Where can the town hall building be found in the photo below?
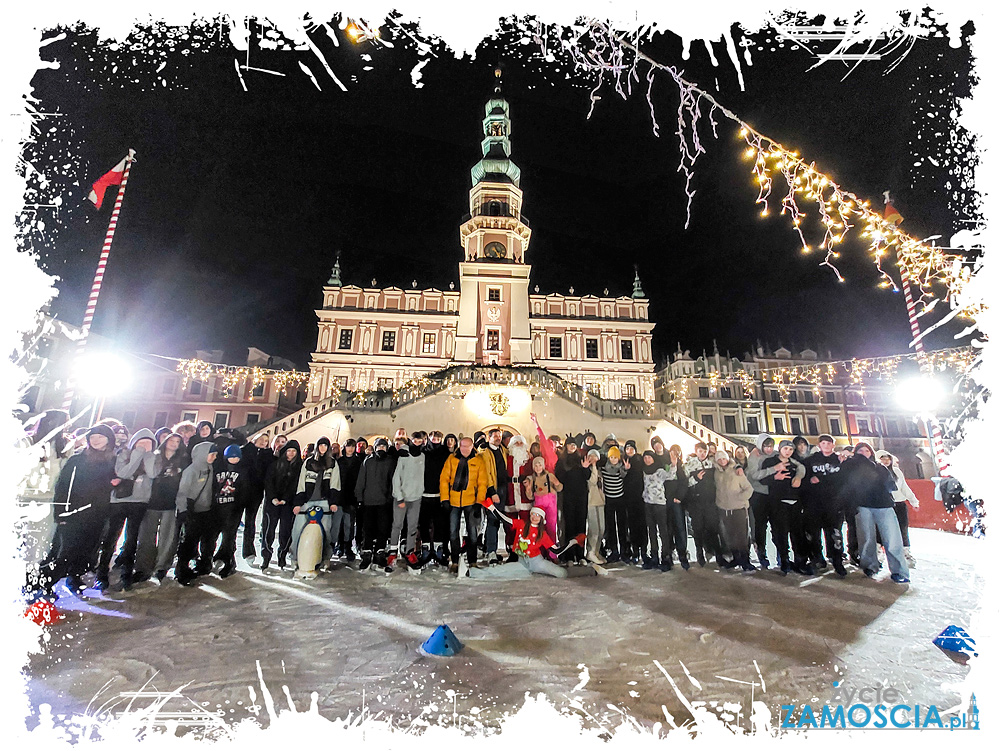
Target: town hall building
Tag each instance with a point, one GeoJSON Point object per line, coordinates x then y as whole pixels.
{"type": "Point", "coordinates": [378, 339]}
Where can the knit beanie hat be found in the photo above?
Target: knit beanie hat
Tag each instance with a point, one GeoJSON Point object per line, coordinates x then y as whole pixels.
{"type": "Point", "coordinates": [632, 444]}
{"type": "Point", "coordinates": [785, 443]}
{"type": "Point", "coordinates": [720, 454]}
{"type": "Point", "coordinates": [594, 453]}
{"type": "Point", "coordinates": [232, 450]}
{"type": "Point", "coordinates": [614, 453]}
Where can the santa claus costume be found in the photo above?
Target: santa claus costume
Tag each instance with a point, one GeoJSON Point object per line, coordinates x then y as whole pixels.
{"type": "Point", "coordinates": [518, 470]}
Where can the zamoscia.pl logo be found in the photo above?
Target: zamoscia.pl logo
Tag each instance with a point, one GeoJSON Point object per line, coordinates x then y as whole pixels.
{"type": "Point", "coordinates": [874, 707]}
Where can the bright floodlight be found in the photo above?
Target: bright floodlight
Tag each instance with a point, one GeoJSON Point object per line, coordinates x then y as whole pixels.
{"type": "Point", "coordinates": [919, 394]}
{"type": "Point", "coordinates": [102, 374]}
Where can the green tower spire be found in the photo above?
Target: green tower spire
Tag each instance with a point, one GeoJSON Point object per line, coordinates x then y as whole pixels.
{"type": "Point", "coordinates": [637, 292]}
{"type": "Point", "coordinates": [334, 280]}
{"type": "Point", "coordinates": [496, 166]}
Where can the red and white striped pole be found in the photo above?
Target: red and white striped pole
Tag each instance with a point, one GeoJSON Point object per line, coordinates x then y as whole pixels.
{"type": "Point", "coordinates": [937, 442]}
{"type": "Point", "coordinates": [95, 289]}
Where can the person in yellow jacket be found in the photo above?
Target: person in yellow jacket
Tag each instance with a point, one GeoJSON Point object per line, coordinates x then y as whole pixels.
{"type": "Point", "coordinates": [494, 456]}
{"type": "Point", "coordinates": [463, 485]}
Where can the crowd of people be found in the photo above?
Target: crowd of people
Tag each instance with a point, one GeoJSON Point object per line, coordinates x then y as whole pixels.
{"type": "Point", "coordinates": [175, 498]}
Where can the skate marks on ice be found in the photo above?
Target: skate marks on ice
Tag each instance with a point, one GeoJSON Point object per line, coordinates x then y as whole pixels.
{"type": "Point", "coordinates": [395, 623]}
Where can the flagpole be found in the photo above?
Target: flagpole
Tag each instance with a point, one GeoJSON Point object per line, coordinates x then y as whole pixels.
{"type": "Point", "coordinates": [95, 289]}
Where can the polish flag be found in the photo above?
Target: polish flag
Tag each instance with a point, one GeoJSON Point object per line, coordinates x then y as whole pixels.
{"type": "Point", "coordinates": [114, 177]}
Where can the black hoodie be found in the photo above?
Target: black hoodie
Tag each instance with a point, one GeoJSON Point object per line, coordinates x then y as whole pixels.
{"type": "Point", "coordinates": [865, 483]}
{"type": "Point", "coordinates": [282, 479]}
{"type": "Point", "coordinates": [196, 438]}
{"type": "Point", "coordinates": [84, 484]}
{"type": "Point", "coordinates": [349, 466]}
{"type": "Point", "coordinates": [374, 486]}
{"type": "Point", "coordinates": [436, 455]}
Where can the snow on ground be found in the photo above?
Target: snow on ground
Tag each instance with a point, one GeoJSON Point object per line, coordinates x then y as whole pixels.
{"type": "Point", "coordinates": [352, 637]}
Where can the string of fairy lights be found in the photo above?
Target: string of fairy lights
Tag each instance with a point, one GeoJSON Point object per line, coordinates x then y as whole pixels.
{"type": "Point", "coordinates": [855, 372]}
{"type": "Point", "coordinates": [596, 48]}
{"type": "Point", "coordinates": [783, 379]}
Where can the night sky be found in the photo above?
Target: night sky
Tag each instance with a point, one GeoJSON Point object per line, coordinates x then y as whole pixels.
{"type": "Point", "coordinates": [239, 200]}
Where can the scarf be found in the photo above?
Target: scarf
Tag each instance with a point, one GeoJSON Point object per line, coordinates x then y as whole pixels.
{"type": "Point", "coordinates": [461, 481]}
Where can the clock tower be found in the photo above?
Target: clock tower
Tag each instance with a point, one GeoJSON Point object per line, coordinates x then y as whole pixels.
{"type": "Point", "coordinates": [493, 317]}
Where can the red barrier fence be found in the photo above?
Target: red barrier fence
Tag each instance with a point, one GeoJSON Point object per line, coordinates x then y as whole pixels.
{"type": "Point", "coordinates": [932, 514]}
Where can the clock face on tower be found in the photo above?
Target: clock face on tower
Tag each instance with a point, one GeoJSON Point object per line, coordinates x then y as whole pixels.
{"type": "Point", "coordinates": [495, 250]}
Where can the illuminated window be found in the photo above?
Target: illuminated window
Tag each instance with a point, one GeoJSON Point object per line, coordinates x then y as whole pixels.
{"type": "Point", "coordinates": [346, 338]}
{"type": "Point", "coordinates": [429, 344]}
{"type": "Point", "coordinates": [628, 391]}
{"type": "Point", "coordinates": [492, 340]}
{"type": "Point", "coordinates": [555, 347]}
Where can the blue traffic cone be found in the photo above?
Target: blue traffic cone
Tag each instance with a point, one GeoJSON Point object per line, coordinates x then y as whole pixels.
{"type": "Point", "coordinates": [442, 643]}
{"type": "Point", "coordinates": [956, 640]}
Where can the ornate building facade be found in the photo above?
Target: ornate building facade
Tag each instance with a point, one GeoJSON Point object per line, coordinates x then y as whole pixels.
{"type": "Point", "coordinates": [713, 391]}
{"type": "Point", "coordinates": [378, 339]}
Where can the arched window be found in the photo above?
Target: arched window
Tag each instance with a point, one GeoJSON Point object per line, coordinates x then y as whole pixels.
{"type": "Point", "coordinates": [494, 208]}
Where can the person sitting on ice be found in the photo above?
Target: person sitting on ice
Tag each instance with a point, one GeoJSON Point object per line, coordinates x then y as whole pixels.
{"type": "Point", "coordinates": [534, 548]}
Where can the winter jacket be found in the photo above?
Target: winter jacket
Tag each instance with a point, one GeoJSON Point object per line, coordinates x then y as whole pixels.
{"type": "Point", "coordinates": [138, 466]}
{"type": "Point", "coordinates": [705, 487]}
{"type": "Point", "coordinates": [782, 490]}
{"type": "Point", "coordinates": [574, 476]}
{"type": "Point", "coordinates": [903, 492]}
{"type": "Point", "coordinates": [653, 490]}
{"type": "Point", "coordinates": [196, 488]}
{"type": "Point", "coordinates": [475, 491]}
{"type": "Point", "coordinates": [548, 451]}
{"type": "Point", "coordinates": [435, 455]}
{"type": "Point", "coordinates": [374, 485]}
{"type": "Point", "coordinates": [496, 465]}
{"type": "Point", "coordinates": [350, 467]}
{"type": "Point", "coordinates": [282, 479]}
{"type": "Point", "coordinates": [408, 479]}
{"type": "Point", "coordinates": [167, 478]}
{"type": "Point", "coordinates": [676, 486]}
{"type": "Point", "coordinates": [826, 469]}
{"type": "Point", "coordinates": [755, 471]}
{"type": "Point", "coordinates": [732, 488]}
{"type": "Point", "coordinates": [257, 461]}
{"type": "Point", "coordinates": [634, 481]}
{"type": "Point", "coordinates": [196, 438]}
{"type": "Point", "coordinates": [313, 473]}
{"type": "Point", "coordinates": [865, 483]}
{"type": "Point", "coordinates": [84, 484]}
{"type": "Point", "coordinates": [595, 496]}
